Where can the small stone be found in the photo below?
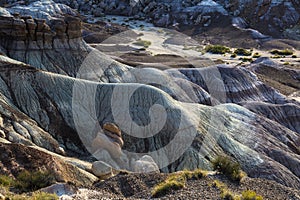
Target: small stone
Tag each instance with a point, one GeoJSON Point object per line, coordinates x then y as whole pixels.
{"type": "Point", "coordinates": [102, 169]}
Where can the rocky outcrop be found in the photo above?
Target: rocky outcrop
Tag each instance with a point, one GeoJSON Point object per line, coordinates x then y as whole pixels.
{"type": "Point", "coordinates": [236, 84]}
{"type": "Point", "coordinates": [40, 43]}
{"type": "Point", "coordinates": [196, 133]}
{"type": "Point", "coordinates": [275, 18]}
{"type": "Point", "coordinates": [16, 158]}
{"type": "Point", "coordinates": [285, 114]}
{"type": "Point", "coordinates": [108, 140]}
{"type": "Point", "coordinates": [43, 10]}
{"type": "Point", "coordinates": [268, 17]}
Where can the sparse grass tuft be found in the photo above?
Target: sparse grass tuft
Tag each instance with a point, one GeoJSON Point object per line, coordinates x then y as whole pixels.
{"type": "Point", "coordinates": [217, 49]}
{"type": "Point", "coordinates": [176, 181]}
{"type": "Point", "coordinates": [5, 181]}
{"type": "Point", "coordinates": [43, 196]}
{"type": "Point", "coordinates": [242, 52]}
{"type": "Point", "coordinates": [194, 175]}
{"type": "Point", "coordinates": [226, 194]}
{"type": "Point", "coordinates": [218, 184]}
{"type": "Point", "coordinates": [143, 43]}
{"type": "Point", "coordinates": [31, 181]}
{"type": "Point", "coordinates": [34, 196]}
{"type": "Point", "coordinates": [173, 182]}
{"type": "Point", "coordinates": [228, 167]}
{"type": "Point", "coordinates": [251, 195]}
{"type": "Point", "coordinates": [244, 59]}
{"type": "Point", "coordinates": [285, 52]}
{"type": "Point", "coordinates": [219, 61]}
{"type": "Point", "coordinates": [276, 56]}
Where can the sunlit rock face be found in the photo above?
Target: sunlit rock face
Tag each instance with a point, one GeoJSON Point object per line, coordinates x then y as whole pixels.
{"type": "Point", "coordinates": [53, 44]}
{"type": "Point", "coordinates": [263, 147]}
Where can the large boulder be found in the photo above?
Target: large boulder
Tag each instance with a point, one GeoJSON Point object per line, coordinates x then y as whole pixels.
{"type": "Point", "coordinates": [145, 164]}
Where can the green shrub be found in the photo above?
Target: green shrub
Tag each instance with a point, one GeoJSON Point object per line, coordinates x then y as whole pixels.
{"type": "Point", "coordinates": [242, 52]}
{"type": "Point", "coordinates": [244, 59]}
{"type": "Point", "coordinates": [256, 55]}
{"type": "Point", "coordinates": [233, 55]}
{"type": "Point", "coordinates": [219, 61]}
{"type": "Point", "coordinates": [228, 167]}
{"type": "Point", "coordinates": [285, 52]}
{"type": "Point", "coordinates": [31, 181]}
{"type": "Point", "coordinates": [276, 56]}
{"type": "Point", "coordinates": [43, 196]}
{"type": "Point", "coordinates": [143, 43]}
{"type": "Point", "coordinates": [250, 195]}
{"type": "Point", "coordinates": [294, 56]}
{"type": "Point", "coordinates": [176, 181]}
{"type": "Point", "coordinates": [228, 195]}
{"type": "Point", "coordinates": [225, 192]}
{"type": "Point", "coordinates": [173, 182]}
{"type": "Point", "coordinates": [218, 184]}
{"type": "Point", "coordinates": [217, 49]}
{"type": "Point", "coordinates": [5, 181]}
{"type": "Point", "coordinates": [34, 196]}
{"type": "Point", "coordinates": [194, 175]}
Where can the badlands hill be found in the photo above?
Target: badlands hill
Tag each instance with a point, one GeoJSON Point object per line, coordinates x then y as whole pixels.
{"type": "Point", "coordinates": [87, 111]}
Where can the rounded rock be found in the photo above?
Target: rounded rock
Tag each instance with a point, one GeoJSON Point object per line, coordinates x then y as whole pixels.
{"type": "Point", "coordinates": [102, 169]}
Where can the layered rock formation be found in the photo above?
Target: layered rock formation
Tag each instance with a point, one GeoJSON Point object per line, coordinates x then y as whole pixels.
{"type": "Point", "coordinates": [16, 158]}
{"type": "Point", "coordinates": [54, 46]}
{"type": "Point", "coordinates": [269, 17]}
{"type": "Point", "coordinates": [257, 143]}
{"type": "Point", "coordinates": [74, 98]}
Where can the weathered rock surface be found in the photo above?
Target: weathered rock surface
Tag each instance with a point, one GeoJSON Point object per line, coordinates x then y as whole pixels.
{"type": "Point", "coordinates": [268, 17]}
{"type": "Point", "coordinates": [43, 10]}
{"type": "Point", "coordinates": [181, 118]}
{"type": "Point", "coordinates": [16, 158]}
{"type": "Point", "coordinates": [285, 114]}
{"type": "Point", "coordinates": [60, 189]}
{"type": "Point", "coordinates": [40, 43]}
{"type": "Point", "coordinates": [102, 169]}
{"type": "Point", "coordinates": [229, 128]}
{"type": "Point", "coordinates": [145, 164]}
